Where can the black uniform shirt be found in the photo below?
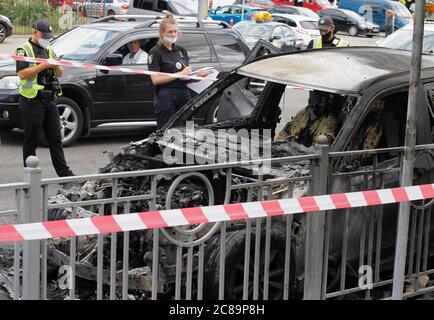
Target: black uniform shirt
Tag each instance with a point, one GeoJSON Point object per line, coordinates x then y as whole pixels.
{"type": "Point", "coordinates": [162, 59]}
{"type": "Point", "coordinates": [39, 53]}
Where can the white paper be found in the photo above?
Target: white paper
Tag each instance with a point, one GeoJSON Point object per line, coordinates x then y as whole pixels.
{"type": "Point", "coordinates": [199, 86]}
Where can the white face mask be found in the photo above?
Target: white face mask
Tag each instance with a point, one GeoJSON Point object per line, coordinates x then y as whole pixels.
{"type": "Point", "coordinates": [170, 40]}
{"type": "Point", "coordinates": [44, 43]}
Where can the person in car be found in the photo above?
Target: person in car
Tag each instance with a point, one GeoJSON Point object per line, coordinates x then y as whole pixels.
{"type": "Point", "coordinates": [170, 93]}
{"type": "Point", "coordinates": [136, 55]}
{"type": "Point", "coordinates": [328, 38]}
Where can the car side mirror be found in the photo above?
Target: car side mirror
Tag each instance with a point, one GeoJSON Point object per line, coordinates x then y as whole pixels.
{"type": "Point", "coordinates": [113, 59]}
{"type": "Point", "coordinates": [275, 38]}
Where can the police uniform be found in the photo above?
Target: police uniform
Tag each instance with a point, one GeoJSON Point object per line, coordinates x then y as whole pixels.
{"type": "Point", "coordinates": [169, 97]}
{"type": "Point", "coordinates": [325, 23]}
{"type": "Point", "coordinates": [37, 104]}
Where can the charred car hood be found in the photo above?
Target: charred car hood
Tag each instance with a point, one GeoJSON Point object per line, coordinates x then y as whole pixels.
{"type": "Point", "coordinates": [356, 67]}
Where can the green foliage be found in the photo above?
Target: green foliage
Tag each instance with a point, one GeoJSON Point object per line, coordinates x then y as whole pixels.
{"type": "Point", "coordinates": [24, 13]}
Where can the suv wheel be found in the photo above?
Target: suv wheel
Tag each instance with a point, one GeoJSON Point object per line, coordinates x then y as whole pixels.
{"type": "Point", "coordinates": [71, 122]}
{"type": "Point", "coordinates": [2, 33]}
{"type": "Point", "coordinates": [110, 13]}
{"type": "Point", "coordinates": [353, 31]}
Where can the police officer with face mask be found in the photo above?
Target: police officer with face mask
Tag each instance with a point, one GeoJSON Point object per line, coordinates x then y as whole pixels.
{"type": "Point", "coordinates": [328, 38]}
{"type": "Point", "coordinates": [38, 89]}
{"type": "Point", "coordinates": [168, 57]}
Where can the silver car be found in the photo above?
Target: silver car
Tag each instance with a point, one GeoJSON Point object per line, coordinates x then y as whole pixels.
{"type": "Point", "coordinates": [278, 34]}
{"type": "Point", "coordinates": [98, 8]}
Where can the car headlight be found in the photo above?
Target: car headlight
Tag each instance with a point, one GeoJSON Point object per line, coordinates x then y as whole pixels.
{"type": "Point", "coordinates": [9, 82]}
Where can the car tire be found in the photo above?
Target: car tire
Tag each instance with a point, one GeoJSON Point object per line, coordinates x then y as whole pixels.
{"type": "Point", "coordinates": [111, 13]}
{"type": "Point", "coordinates": [369, 35]}
{"type": "Point", "coordinates": [3, 32]}
{"type": "Point", "coordinates": [71, 122]}
{"type": "Point", "coordinates": [353, 31]}
{"type": "Point", "coordinates": [6, 129]}
{"type": "Point", "coordinates": [234, 257]}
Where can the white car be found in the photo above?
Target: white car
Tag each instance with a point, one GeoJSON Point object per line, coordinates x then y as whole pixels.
{"type": "Point", "coordinates": [402, 39]}
{"type": "Point", "coordinates": [305, 27]}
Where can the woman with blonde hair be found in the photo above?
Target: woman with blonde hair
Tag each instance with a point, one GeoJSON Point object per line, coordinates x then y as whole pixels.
{"type": "Point", "coordinates": [170, 93]}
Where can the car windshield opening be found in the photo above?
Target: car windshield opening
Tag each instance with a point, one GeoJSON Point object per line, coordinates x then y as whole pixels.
{"type": "Point", "coordinates": [256, 31]}
{"type": "Point", "coordinates": [82, 43]}
{"type": "Point", "coordinates": [310, 25]}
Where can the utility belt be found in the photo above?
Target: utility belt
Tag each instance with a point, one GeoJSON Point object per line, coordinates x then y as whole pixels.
{"type": "Point", "coordinates": [46, 95]}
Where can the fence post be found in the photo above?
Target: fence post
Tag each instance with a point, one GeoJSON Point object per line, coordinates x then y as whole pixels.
{"type": "Point", "coordinates": [315, 225]}
{"type": "Point", "coordinates": [32, 213]}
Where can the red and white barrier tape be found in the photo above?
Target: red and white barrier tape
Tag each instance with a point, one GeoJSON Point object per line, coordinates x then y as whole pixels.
{"type": "Point", "coordinates": [228, 212]}
{"type": "Point", "coordinates": [74, 64]}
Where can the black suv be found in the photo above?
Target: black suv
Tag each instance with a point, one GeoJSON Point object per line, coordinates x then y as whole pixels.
{"type": "Point", "coordinates": [5, 28]}
{"type": "Point", "coordinates": [97, 97]}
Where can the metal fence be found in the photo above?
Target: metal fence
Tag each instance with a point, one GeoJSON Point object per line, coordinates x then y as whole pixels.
{"type": "Point", "coordinates": [315, 256]}
{"type": "Point", "coordinates": [62, 14]}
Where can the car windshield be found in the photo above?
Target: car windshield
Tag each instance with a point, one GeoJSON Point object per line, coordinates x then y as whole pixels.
{"type": "Point", "coordinates": [401, 10]}
{"type": "Point", "coordinates": [82, 43]}
{"type": "Point", "coordinates": [308, 13]}
{"type": "Point", "coordinates": [185, 7]}
{"type": "Point", "coordinates": [311, 25]}
{"type": "Point", "coordinates": [402, 40]}
{"type": "Point", "coordinates": [353, 15]}
{"type": "Point", "coordinates": [256, 31]}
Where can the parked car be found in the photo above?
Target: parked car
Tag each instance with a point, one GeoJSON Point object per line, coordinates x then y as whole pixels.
{"type": "Point", "coordinates": [374, 11]}
{"type": "Point", "coordinates": [278, 34]}
{"type": "Point", "coordinates": [402, 39]}
{"type": "Point", "coordinates": [305, 27]}
{"type": "Point", "coordinates": [177, 7]}
{"type": "Point", "coordinates": [294, 10]}
{"type": "Point", "coordinates": [264, 4]}
{"type": "Point", "coordinates": [359, 111]}
{"type": "Point", "coordinates": [234, 13]}
{"type": "Point", "coordinates": [96, 97]}
{"type": "Point", "coordinates": [6, 28]}
{"type": "Point", "coordinates": [98, 8]}
{"type": "Point", "coordinates": [351, 22]}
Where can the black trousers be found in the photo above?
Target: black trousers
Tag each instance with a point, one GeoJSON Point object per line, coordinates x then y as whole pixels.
{"type": "Point", "coordinates": [167, 102]}
{"type": "Point", "coordinates": [40, 114]}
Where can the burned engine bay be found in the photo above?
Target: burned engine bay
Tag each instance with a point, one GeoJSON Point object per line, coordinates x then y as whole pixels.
{"type": "Point", "coordinates": [324, 115]}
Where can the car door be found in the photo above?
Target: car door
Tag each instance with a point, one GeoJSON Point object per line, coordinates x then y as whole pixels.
{"type": "Point", "coordinates": [122, 96]}
{"type": "Point", "coordinates": [276, 37]}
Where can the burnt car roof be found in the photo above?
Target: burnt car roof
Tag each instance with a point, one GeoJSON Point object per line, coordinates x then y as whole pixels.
{"type": "Point", "coordinates": [312, 69]}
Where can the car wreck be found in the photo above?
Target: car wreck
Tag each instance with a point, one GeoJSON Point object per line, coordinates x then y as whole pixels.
{"type": "Point", "coordinates": [357, 101]}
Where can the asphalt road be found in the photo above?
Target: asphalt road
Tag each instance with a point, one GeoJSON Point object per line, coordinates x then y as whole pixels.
{"type": "Point", "coordinates": [87, 155]}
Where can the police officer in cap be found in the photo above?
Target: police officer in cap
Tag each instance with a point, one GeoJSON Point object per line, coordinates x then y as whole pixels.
{"type": "Point", "coordinates": [38, 89]}
{"type": "Point", "coordinates": [328, 39]}
{"type": "Point", "coordinates": [168, 57]}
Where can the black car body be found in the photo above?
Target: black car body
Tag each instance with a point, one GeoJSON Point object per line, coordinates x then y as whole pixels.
{"type": "Point", "coordinates": [6, 28]}
{"type": "Point", "coordinates": [365, 87]}
{"type": "Point", "coordinates": [97, 97]}
{"type": "Point", "coordinates": [351, 22]}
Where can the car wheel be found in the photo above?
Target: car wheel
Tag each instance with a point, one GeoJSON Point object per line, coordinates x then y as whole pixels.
{"type": "Point", "coordinates": [353, 31]}
{"type": "Point", "coordinates": [110, 13]}
{"type": "Point", "coordinates": [369, 35]}
{"type": "Point", "coordinates": [6, 129]}
{"type": "Point", "coordinates": [2, 33]}
{"type": "Point", "coordinates": [234, 269]}
{"type": "Point", "coordinates": [71, 122]}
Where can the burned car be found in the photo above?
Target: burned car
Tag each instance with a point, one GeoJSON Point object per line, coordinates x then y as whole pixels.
{"type": "Point", "coordinates": [357, 99]}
